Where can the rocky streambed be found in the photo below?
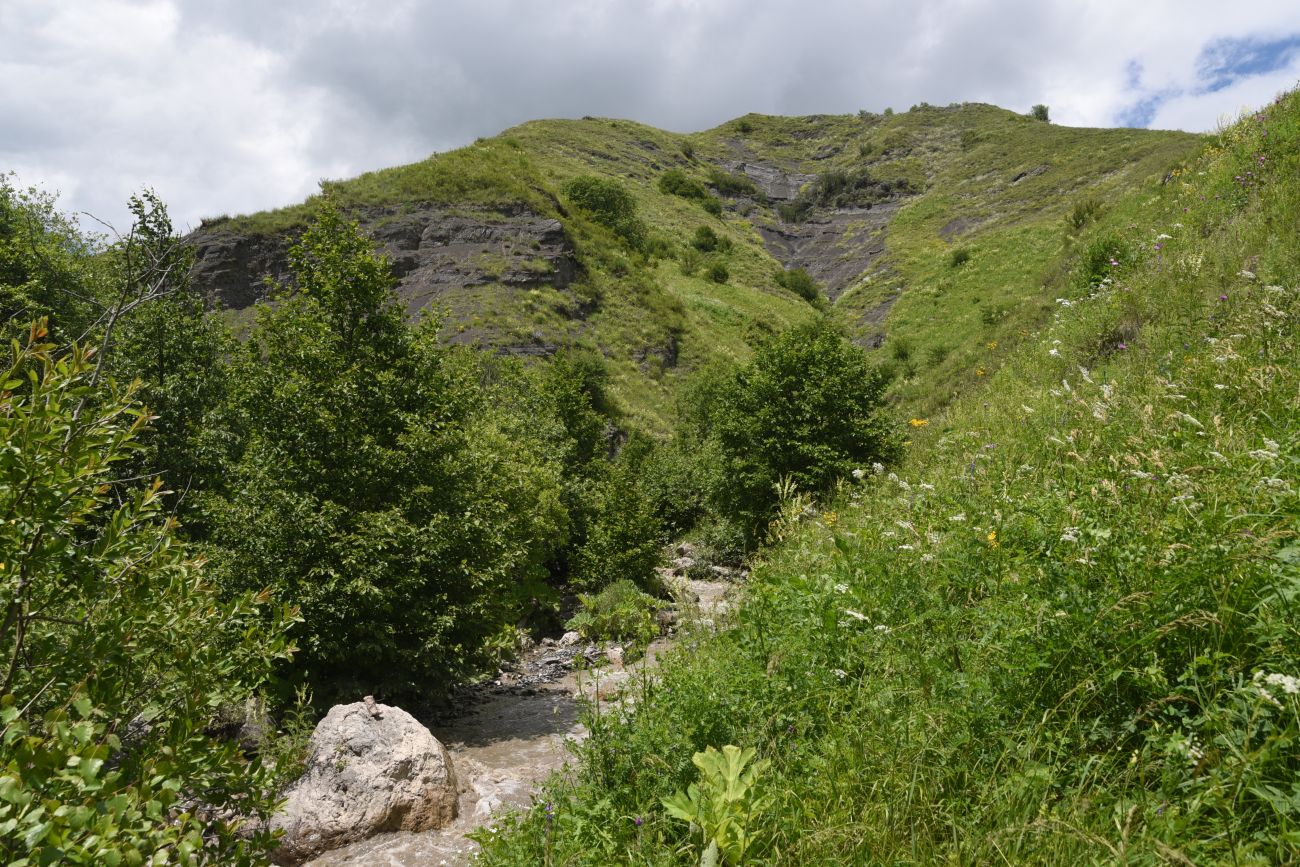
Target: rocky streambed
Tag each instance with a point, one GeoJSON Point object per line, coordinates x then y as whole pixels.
{"type": "Point", "coordinates": [505, 737]}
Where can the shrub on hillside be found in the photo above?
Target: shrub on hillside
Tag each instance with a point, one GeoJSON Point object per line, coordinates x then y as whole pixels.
{"type": "Point", "coordinates": [806, 409]}
{"type": "Point", "coordinates": [620, 612]}
{"type": "Point", "coordinates": [676, 182]}
{"type": "Point", "coordinates": [801, 283]}
{"type": "Point", "coordinates": [718, 273]}
{"type": "Point", "coordinates": [609, 204]}
{"type": "Point", "coordinates": [1039, 112]}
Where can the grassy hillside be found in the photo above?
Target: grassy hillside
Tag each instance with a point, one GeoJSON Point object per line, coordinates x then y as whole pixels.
{"type": "Point", "coordinates": [658, 315]}
{"type": "Point", "coordinates": [1066, 631]}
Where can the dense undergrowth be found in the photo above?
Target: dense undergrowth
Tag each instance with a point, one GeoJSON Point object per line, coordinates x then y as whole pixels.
{"type": "Point", "coordinates": [1066, 631]}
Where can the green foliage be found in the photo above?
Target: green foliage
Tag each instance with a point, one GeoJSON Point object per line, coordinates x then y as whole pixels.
{"type": "Point", "coordinates": [958, 257]}
{"type": "Point", "coordinates": [609, 204]}
{"type": "Point", "coordinates": [624, 535]}
{"type": "Point", "coordinates": [841, 189]}
{"type": "Point", "coordinates": [675, 182]}
{"type": "Point", "coordinates": [1039, 112]}
{"type": "Point", "coordinates": [801, 283]}
{"type": "Point", "coordinates": [690, 261]}
{"type": "Point", "coordinates": [805, 409]}
{"type": "Point", "coordinates": [45, 266]}
{"type": "Point", "coordinates": [724, 803]}
{"type": "Point", "coordinates": [1083, 213]}
{"type": "Point", "coordinates": [711, 206]}
{"type": "Point", "coordinates": [718, 273]}
{"type": "Point", "coordinates": [732, 184]}
{"type": "Point", "coordinates": [744, 127]}
{"type": "Point", "coordinates": [117, 650]}
{"type": "Point", "coordinates": [708, 241]}
{"type": "Point", "coordinates": [375, 488]}
{"type": "Point", "coordinates": [619, 612]}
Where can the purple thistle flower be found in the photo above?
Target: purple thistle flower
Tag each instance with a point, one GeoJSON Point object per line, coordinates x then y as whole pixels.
{"type": "Point", "coordinates": [1223, 297]}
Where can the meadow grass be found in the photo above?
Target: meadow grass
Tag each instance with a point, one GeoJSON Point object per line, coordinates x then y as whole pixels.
{"type": "Point", "coordinates": [1066, 630]}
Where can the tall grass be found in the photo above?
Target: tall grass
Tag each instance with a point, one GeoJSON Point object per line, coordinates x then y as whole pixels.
{"type": "Point", "coordinates": [1068, 632]}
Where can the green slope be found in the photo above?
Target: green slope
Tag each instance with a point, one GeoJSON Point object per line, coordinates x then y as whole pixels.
{"type": "Point", "coordinates": [655, 323]}
{"type": "Point", "coordinates": [1066, 631]}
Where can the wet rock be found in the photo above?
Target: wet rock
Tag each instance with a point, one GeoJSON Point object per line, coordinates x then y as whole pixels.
{"type": "Point", "coordinates": [371, 768]}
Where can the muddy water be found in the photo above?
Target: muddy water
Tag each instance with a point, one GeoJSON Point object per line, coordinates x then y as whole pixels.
{"type": "Point", "coordinates": [516, 732]}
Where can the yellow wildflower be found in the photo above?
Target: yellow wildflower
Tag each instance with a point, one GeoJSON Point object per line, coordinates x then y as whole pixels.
{"type": "Point", "coordinates": [979, 371]}
{"type": "Point", "coordinates": [919, 422]}
{"type": "Point", "coordinates": [993, 344]}
{"type": "Point", "coordinates": [993, 538]}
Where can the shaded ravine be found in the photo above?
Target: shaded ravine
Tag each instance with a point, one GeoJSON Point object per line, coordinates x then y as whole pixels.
{"type": "Point", "coordinates": [509, 736]}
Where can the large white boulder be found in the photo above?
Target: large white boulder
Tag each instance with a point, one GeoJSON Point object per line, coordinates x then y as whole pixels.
{"type": "Point", "coordinates": [371, 768]}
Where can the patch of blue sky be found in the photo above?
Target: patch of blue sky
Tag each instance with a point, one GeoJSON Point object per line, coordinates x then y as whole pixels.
{"type": "Point", "coordinates": [1222, 62]}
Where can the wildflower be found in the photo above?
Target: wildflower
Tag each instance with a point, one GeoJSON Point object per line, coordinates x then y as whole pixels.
{"type": "Point", "coordinates": [992, 539]}
{"type": "Point", "coordinates": [859, 474]}
{"type": "Point", "coordinates": [1113, 262]}
{"type": "Point", "coordinates": [1223, 297]}
{"type": "Point", "coordinates": [637, 820]}
{"type": "Point", "coordinates": [1288, 684]}
{"type": "Point", "coordinates": [830, 518]}
{"type": "Point", "coordinates": [958, 518]}
{"type": "Point", "coordinates": [1070, 534]}
{"type": "Point", "coordinates": [841, 588]}
{"type": "Point", "coordinates": [1054, 352]}
{"type": "Point", "coordinates": [1248, 275]}
{"type": "Point", "coordinates": [993, 344]}
{"type": "Point", "coordinates": [877, 468]}
{"type": "Point", "coordinates": [979, 371]}
{"type": "Point", "coordinates": [855, 614]}
{"type": "Point", "coordinates": [1163, 237]}
{"type": "Point", "coordinates": [919, 422]}
{"type": "Point", "coordinates": [840, 673]}
{"type": "Point", "coordinates": [880, 627]}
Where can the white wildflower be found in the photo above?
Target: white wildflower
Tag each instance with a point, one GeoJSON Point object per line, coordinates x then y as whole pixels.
{"type": "Point", "coordinates": [1248, 275]}
{"type": "Point", "coordinates": [1070, 535]}
{"type": "Point", "coordinates": [907, 547]}
{"type": "Point", "coordinates": [1054, 352]}
{"type": "Point", "coordinates": [859, 474]}
{"type": "Point", "coordinates": [1288, 684]}
{"type": "Point", "coordinates": [1163, 237]}
{"type": "Point", "coordinates": [840, 673]}
{"type": "Point", "coordinates": [877, 468]}
{"type": "Point", "coordinates": [958, 518]}
{"type": "Point", "coordinates": [880, 627]}
{"type": "Point", "coordinates": [841, 588]}
{"type": "Point", "coordinates": [926, 486]}
{"type": "Point", "coordinates": [856, 615]}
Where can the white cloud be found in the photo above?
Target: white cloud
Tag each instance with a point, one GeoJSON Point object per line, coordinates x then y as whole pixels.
{"type": "Point", "coordinates": [239, 105]}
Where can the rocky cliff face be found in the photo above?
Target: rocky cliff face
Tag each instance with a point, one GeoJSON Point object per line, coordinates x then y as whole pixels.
{"type": "Point", "coordinates": [434, 251]}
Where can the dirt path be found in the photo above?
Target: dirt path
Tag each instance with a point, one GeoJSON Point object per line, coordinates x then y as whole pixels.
{"type": "Point", "coordinates": [515, 732]}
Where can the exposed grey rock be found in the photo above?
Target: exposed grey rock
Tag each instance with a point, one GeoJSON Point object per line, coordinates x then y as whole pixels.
{"type": "Point", "coordinates": [569, 639]}
{"type": "Point", "coordinates": [433, 251]}
{"type": "Point", "coordinates": [371, 768]}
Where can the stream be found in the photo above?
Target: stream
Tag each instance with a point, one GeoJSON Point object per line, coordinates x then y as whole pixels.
{"type": "Point", "coordinates": [508, 736]}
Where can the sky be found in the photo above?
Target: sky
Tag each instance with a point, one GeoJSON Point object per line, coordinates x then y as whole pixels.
{"type": "Point", "coordinates": [233, 106]}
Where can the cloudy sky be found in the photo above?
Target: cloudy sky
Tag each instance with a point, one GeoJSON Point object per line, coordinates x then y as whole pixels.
{"type": "Point", "coordinates": [231, 106]}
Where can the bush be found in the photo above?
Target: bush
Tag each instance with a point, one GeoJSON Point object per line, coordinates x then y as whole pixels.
{"type": "Point", "coordinates": [675, 182]}
{"type": "Point", "coordinates": [805, 409]}
{"type": "Point", "coordinates": [1083, 213]}
{"type": "Point", "coordinates": [116, 646]}
{"type": "Point", "coordinates": [1039, 112]}
{"type": "Point", "coordinates": [608, 204]}
{"type": "Point", "coordinates": [707, 241]}
{"type": "Point", "coordinates": [620, 612]}
{"type": "Point", "coordinates": [958, 257]}
{"type": "Point", "coordinates": [691, 262]}
{"type": "Point", "coordinates": [801, 283]}
{"type": "Point", "coordinates": [729, 184]}
{"type": "Point", "coordinates": [718, 273]}
{"type": "Point", "coordinates": [712, 206]}
{"type": "Point", "coordinates": [744, 127]}
{"type": "Point", "coordinates": [625, 537]}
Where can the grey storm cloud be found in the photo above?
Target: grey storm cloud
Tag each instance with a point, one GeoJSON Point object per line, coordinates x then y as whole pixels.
{"type": "Point", "coordinates": [236, 105]}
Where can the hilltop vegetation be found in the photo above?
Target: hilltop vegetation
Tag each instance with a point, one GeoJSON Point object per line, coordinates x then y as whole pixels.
{"type": "Point", "coordinates": [1063, 632]}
